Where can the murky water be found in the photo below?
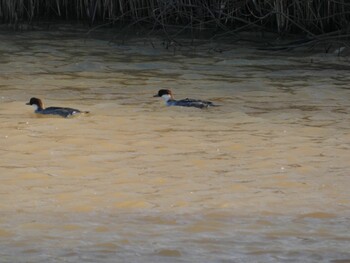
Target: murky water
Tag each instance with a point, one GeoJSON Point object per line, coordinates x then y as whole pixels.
{"type": "Point", "coordinates": [263, 178]}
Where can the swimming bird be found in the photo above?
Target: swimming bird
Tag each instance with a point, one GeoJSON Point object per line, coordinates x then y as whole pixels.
{"type": "Point", "coordinates": [169, 99]}
{"type": "Point", "coordinates": [61, 111]}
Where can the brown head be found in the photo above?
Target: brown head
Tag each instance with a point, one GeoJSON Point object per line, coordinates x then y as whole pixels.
{"type": "Point", "coordinates": [164, 93]}
{"type": "Point", "coordinates": [36, 103]}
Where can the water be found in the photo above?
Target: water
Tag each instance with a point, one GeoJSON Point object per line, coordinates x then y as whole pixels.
{"type": "Point", "coordinates": [263, 178]}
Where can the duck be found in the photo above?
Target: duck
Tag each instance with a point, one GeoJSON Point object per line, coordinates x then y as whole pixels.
{"type": "Point", "coordinates": [169, 99]}
{"type": "Point", "coordinates": [61, 111]}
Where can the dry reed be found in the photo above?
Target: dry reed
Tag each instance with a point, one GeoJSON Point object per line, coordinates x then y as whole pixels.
{"type": "Point", "coordinates": [310, 17]}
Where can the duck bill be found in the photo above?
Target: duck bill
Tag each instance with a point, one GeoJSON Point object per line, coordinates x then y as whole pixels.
{"type": "Point", "coordinates": [28, 103]}
{"type": "Point", "coordinates": [154, 96]}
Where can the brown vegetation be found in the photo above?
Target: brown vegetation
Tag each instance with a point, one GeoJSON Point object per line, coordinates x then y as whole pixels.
{"type": "Point", "coordinates": [312, 18]}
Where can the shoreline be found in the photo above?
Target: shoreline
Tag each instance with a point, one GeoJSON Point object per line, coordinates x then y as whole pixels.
{"type": "Point", "coordinates": [173, 41]}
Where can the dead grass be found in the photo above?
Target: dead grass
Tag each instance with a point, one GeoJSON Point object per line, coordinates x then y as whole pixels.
{"type": "Point", "coordinates": [312, 18]}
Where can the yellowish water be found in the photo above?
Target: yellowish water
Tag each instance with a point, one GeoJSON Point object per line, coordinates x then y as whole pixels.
{"type": "Point", "coordinates": [263, 178]}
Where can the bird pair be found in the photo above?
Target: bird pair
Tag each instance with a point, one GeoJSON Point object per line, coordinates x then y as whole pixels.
{"type": "Point", "coordinates": [166, 94]}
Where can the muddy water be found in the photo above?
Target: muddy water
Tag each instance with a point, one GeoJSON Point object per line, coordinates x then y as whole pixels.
{"type": "Point", "coordinates": [263, 178]}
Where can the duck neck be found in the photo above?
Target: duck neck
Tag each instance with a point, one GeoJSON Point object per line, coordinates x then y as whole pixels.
{"type": "Point", "coordinates": [37, 107]}
{"type": "Point", "coordinates": [167, 97]}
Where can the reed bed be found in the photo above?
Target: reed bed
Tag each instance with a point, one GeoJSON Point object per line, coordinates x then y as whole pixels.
{"type": "Point", "coordinates": [309, 17]}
